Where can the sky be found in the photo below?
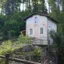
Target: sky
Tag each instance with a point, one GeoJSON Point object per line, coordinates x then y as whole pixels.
{"type": "Point", "coordinates": [22, 7]}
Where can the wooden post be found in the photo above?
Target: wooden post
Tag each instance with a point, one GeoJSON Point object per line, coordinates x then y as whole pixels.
{"type": "Point", "coordinates": [43, 55]}
{"type": "Point", "coordinates": [7, 58]}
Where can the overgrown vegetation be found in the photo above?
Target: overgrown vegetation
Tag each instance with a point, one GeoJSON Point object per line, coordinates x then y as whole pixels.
{"type": "Point", "coordinates": [12, 47]}
{"type": "Point", "coordinates": [58, 45]}
{"type": "Point", "coordinates": [12, 21]}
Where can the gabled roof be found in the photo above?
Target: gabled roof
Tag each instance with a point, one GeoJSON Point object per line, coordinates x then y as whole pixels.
{"type": "Point", "coordinates": [41, 14]}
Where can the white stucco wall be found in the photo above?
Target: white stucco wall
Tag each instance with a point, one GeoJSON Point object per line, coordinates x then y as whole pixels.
{"type": "Point", "coordinates": [41, 23]}
{"type": "Point", "coordinates": [52, 25]}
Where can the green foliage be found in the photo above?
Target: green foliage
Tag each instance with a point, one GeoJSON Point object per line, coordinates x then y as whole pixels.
{"type": "Point", "coordinates": [58, 37]}
{"type": "Point", "coordinates": [37, 52]}
{"type": "Point", "coordinates": [24, 39]}
{"type": "Point", "coordinates": [8, 47]}
{"type": "Point", "coordinates": [11, 25]}
{"type": "Point", "coordinates": [2, 2]}
{"type": "Point", "coordinates": [58, 44]}
{"type": "Point", "coordinates": [57, 14]}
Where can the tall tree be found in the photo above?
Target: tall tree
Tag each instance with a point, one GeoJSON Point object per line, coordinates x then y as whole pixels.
{"type": "Point", "coordinates": [55, 12]}
{"type": "Point", "coordinates": [43, 6]}
{"type": "Point", "coordinates": [36, 5]}
{"type": "Point", "coordinates": [58, 44]}
{"type": "Point", "coordinates": [2, 3]}
{"type": "Point", "coordinates": [11, 5]}
{"type": "Point", "coordinates": [62, 17]}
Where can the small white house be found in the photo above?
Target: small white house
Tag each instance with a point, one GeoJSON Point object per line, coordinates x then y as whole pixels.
{"type": "Point", "coordinates": [38, 25]}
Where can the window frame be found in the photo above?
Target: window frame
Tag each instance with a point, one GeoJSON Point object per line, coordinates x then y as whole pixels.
{"type": "Point", "coordinates": [41, 30]}
{"type": "Point", "coordinates": [31, 31]}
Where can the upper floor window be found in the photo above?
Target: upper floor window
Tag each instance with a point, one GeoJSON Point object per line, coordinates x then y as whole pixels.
{"type": "Point", "coordinates": [36, 19]}
{"type": "Point", "coordinates": [31, 31]}
{"type": "Point", "coordinates": [41, 30]}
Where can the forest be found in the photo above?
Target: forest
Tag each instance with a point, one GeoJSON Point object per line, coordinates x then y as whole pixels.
{"type": "Point", "coordinates": [12, 19]}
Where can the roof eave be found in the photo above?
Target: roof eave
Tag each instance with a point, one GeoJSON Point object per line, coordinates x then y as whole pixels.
{"type": "Point", "coordinates": [41, 15]}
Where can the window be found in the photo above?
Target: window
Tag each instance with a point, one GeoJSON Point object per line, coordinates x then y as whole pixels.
{"type": "Point", "coordinates": [31, 31]}
{"type": "Point", "coordinates": [36, 19]}
{"type": "Point", "coordinates": [41, 30]}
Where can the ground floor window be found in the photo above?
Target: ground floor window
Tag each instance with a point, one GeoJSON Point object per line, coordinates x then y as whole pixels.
{"type": "Point", "coordinates": [41, 30]}
{"type": "Point", "coordinates": [31, 31]}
